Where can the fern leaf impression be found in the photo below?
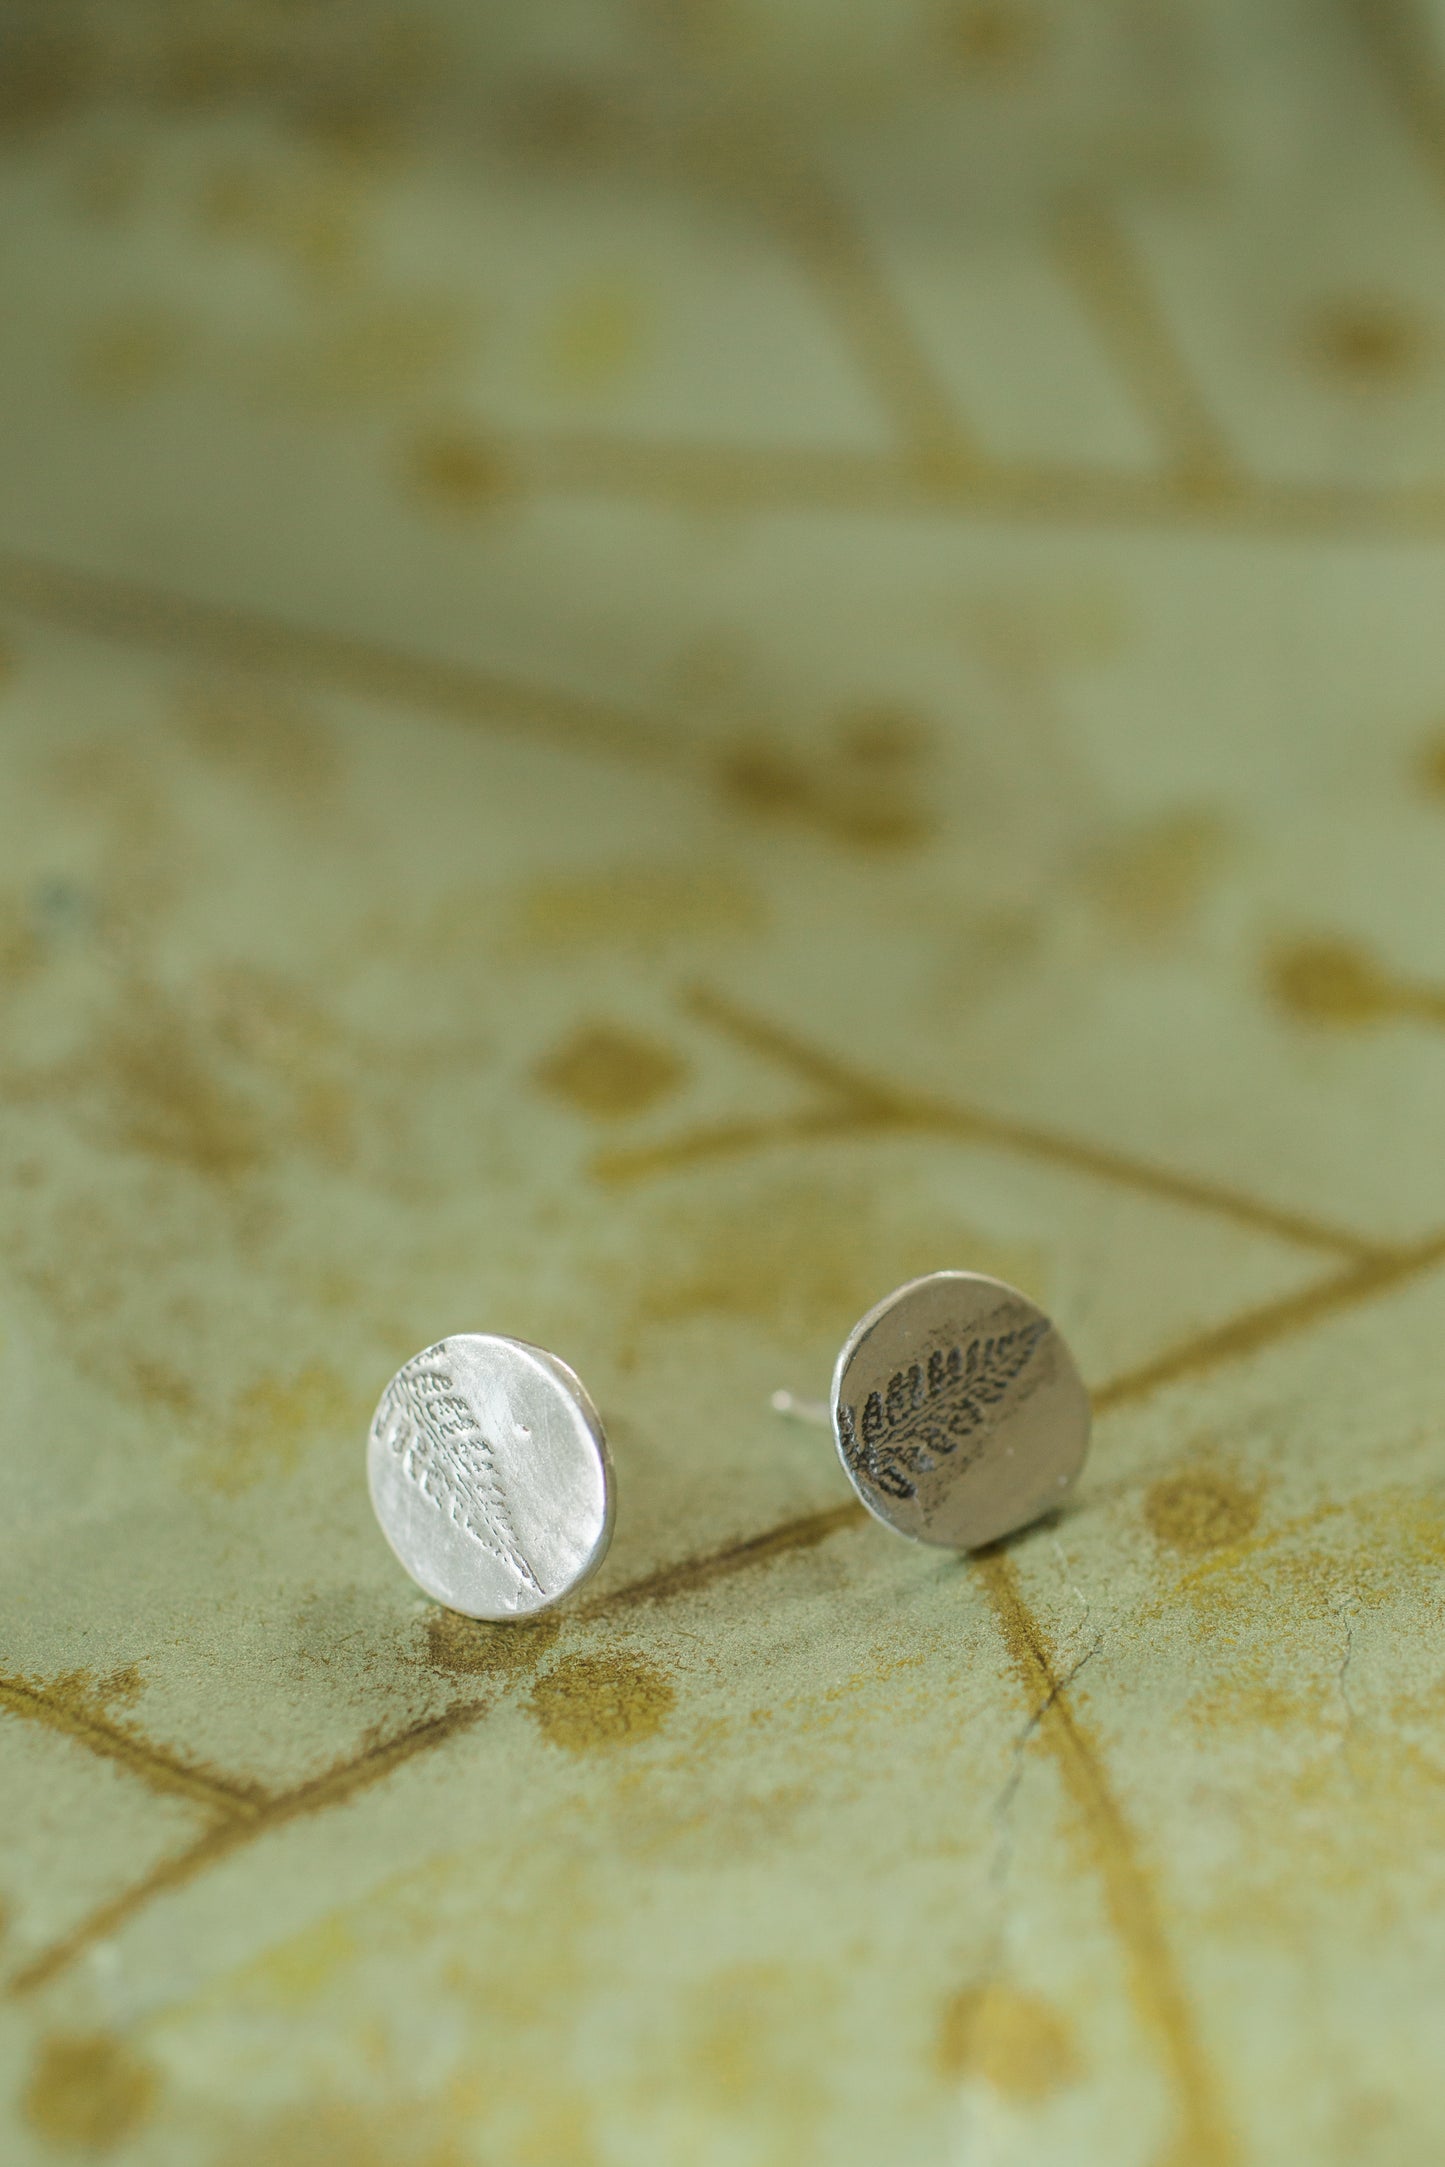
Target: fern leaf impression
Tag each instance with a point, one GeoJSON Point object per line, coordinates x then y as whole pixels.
{"type": "Point", "coordinates": [425, 1422]}
{"type": "Point", "coordinates": [929, 1410]}
{"type": "Point", "coordinates": [958, 1410]}
{"type": "Point", "coordinates": [490, 1476]}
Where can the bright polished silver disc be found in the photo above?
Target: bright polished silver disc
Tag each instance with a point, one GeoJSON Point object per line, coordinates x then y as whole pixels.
{"type": "Point", "coordinates": [490, 1475]}
{"type": "Point", "coordinates": [958, 1411]}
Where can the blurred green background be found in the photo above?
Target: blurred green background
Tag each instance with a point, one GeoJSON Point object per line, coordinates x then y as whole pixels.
{"type": "Point", "coordinates": [659, 664]}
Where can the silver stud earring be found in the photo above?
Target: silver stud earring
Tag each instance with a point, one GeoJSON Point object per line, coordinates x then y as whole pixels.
{"type": "Point", "coordinates": [490, 1476]}
{"type": "Point", "coordinates": [958, 1410]}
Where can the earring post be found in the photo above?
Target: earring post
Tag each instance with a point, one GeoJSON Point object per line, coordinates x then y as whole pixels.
{"type": "Point", "coordinates": [816, 1412]}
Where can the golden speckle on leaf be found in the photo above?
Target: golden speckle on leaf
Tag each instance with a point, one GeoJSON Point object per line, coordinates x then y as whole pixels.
{"type": "Point", "coordinates": [1248, 1700]}
{"type": "Point", "coordinates": [266, 1020]}
{"type": "Point", "coordinates": [81, 1692]}
{"type": "Point", "coordinates": [273, 1421]}
{"type": "Point", "coordinates": [387, 349]}
{"type": "Point", "coordinates": [158, 1094]}
{"type": "Point", "coordinates": [164, 1099]}
{"type": "Point", "coordinates": [1198, 1512]}
{"type": "Point", "coordinates": [456, 468]}
{"type": "Point", "coordinates": [640, 908]}
{"type": "Point", "coordinates": [596, 337]}
{"type": "Point", "coordinates": [163, 1386]}
{"type": "Point", "coordinates": [566, 118]}
{"type": "Point", "coordinates": [761, 777]}
{"type": "Point", "coordinates": [1368, 344]}
{"type": "Point", "coordinates": [90, 2089]}
{"type": "Point", "coordinates": [758, 2053]}
{"type": "Point", "coordinates": [882, 738]}
{"type": "Point", "coordinates": [1150, 881]}
{"type": "Point", "coordinates": [991, 37]}
{"type": "Point", "coordinates": [608, 1072]}
{"type": "Point", "coordinates": [591, 1703]}
{"type": "Point", "coordinates": [472, 1648]}
{"type": "Point", "coordinates": [1330, 982]}
{"type": "Point", "coordinates": [861, 789]}
{"type": "Point", "coordinates": [1015, 2041]}
{"type": "Point", "coordinates": [294, 1975]}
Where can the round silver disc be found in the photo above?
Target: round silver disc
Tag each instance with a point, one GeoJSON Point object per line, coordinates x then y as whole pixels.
{"type": "Point", "coordinates": [958, 1411]}
{"type": "Point", "coordinates": [490, 1476]}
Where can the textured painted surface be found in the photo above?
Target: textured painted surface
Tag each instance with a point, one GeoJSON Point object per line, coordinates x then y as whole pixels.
{"type": "Point", "coordinates": [654, 673]}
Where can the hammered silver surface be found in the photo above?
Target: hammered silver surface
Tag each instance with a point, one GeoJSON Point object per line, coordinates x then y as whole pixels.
{"type": "Point", "coordinates": [958, 1411]}
{"type": "Point", "coordinates": [490, 1476]}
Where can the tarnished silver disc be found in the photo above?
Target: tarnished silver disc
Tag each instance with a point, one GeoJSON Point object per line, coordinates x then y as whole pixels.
{"type": "Point", "coordinates": [958, 1411]}
{"type": "Point", "coordinates": [490, 1476]}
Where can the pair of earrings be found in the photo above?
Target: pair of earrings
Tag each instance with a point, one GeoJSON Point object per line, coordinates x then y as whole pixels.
{"type": "Point", "coordinates": [958, 1411]}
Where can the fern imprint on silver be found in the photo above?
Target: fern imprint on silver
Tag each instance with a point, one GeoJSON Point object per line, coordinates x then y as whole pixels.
{"type": "Point", "coordinates": [958, 1410]}
{"type": "Point", "coordinates": [490, 1476]}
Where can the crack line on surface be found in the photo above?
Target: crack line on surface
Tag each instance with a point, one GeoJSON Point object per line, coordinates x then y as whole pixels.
{"type": "Point", "coordinates": [1003, 1805]}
